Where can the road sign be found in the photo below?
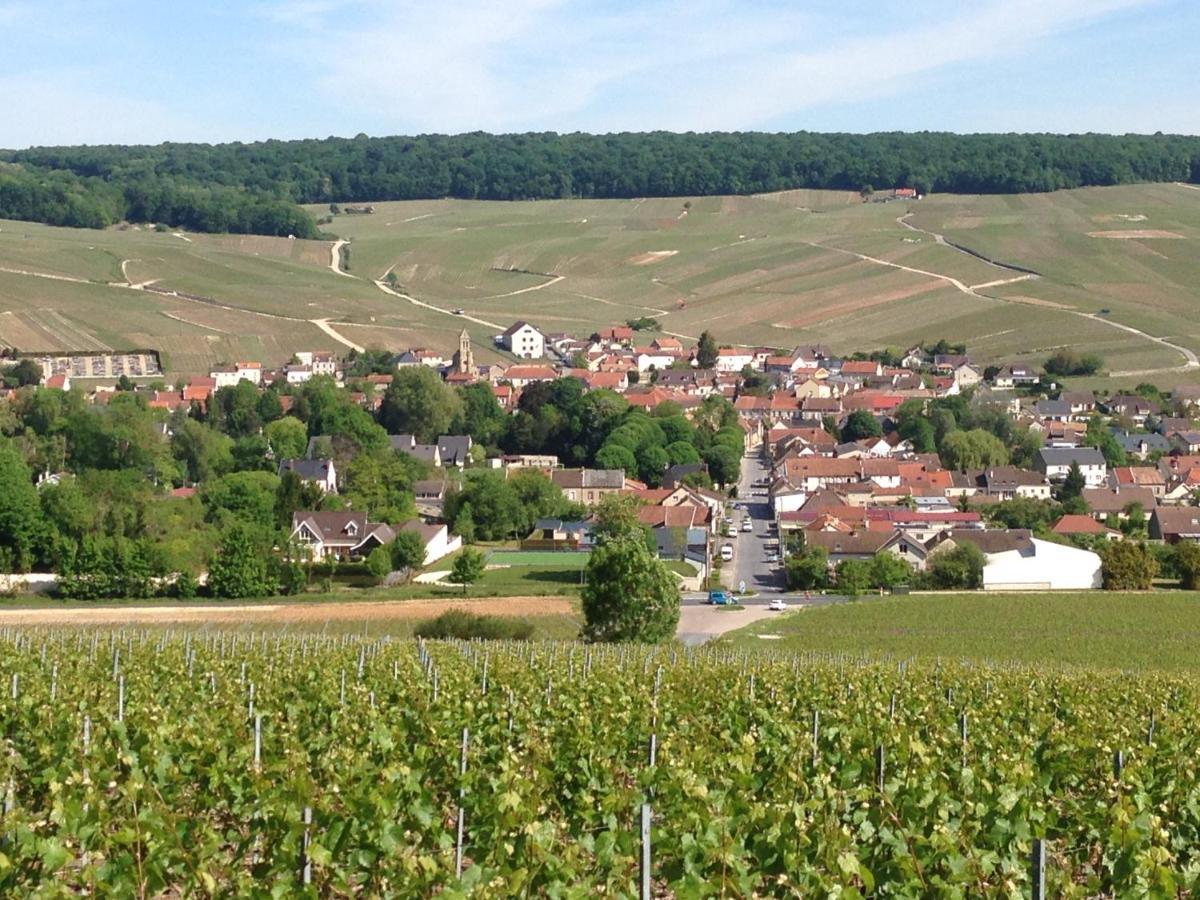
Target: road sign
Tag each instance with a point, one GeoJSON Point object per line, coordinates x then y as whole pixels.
{"type": "Point", "coordinates": [741, 587]}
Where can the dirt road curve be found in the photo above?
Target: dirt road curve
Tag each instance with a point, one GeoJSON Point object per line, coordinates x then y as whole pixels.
{"type": "Point", "coordinates": [282, 613]}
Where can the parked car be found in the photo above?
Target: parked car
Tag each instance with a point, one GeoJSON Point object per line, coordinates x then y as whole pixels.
{"type": "Point", "coordinates": [777, 605]}
{"type": "Point", "coordinates": [771, 557]}
{"type": "Point", "coordinates": [747, 525]}
{"type": "Point", "coordinates": [727, 552]}
{"type": "Point", "coordinates": [719, 598]}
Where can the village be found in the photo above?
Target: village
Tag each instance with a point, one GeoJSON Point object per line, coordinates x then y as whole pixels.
{"type": "Point", "coordinates": [848, 460]}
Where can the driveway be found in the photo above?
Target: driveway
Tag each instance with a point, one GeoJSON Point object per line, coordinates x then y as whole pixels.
{"type": "Point", "coordinates": [699, 622]}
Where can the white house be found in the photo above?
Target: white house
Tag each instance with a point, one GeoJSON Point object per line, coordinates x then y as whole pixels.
{"type": "Point", "coordinates": [438, 540]}
{"type": "Point", "coordinates": [343, 534]}
{"type": "Point", "coordinates": [732, 359]}
{"type": "Point", "coordinates": [314, 471]}
{"type": "Point", "coordinates": [1055, 463]}
{"type": "Point", "coordinates": [647, 359]}
{"type": "Point", "coordinates": [1042, 566]}
{"type": "Point", "coordinates": [298, 374]}
{"type": "Point", "coordinates": [319, 362]}
{"type": "Point", "coordinates": [228, 376]}
{"type": "Point", "coordinates": [523, 340]}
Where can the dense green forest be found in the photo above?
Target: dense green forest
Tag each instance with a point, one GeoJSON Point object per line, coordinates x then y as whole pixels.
{"type": "Point", "coordinates": [253, 187]}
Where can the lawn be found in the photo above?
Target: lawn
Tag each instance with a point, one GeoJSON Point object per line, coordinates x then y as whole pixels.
{"type": "Point", "coordinates": [542, 558]}
{"type": "Point", "coordinates": [1096, 629]}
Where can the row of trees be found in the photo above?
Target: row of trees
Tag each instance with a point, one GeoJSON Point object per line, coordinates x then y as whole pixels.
{"type": "Point", "coordinates": [59, 197]}
{"type": "Point", "coordinates": [231, 187]}
{"type": "Point", "coordinates": [955, 568]}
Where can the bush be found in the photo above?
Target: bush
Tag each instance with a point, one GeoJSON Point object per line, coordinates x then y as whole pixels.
{"type": "Point", "coordinates": [1066, 362]}
{"type": "Point", "coordinates": [959, 567]}
{"type": "Point", "coordinates": [461, 625]}
{"type": "Point", "coordinates": [1128, 566]}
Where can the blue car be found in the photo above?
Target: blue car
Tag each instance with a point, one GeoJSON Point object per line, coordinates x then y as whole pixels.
{"type": "Point", "coordinates": [719, 598]}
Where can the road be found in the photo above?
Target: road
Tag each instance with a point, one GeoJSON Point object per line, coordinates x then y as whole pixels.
{"type": "Point", "coordinates": [750, 548]}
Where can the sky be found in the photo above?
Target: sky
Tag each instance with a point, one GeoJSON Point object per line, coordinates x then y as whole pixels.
{"type": "Point", "coordinates": [145, 71]}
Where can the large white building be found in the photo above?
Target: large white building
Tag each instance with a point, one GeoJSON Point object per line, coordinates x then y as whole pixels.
{"type": "Point", "coordinates": [523, 340]}
{"type": "Point", "coordinates": [1042, 566]}
{"type": "Point", "coordinates": [228, 376]}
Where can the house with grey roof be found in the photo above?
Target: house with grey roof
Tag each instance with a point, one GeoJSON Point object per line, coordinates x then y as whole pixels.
{"type": "Point", "coordinates": [1055, 463]}
{"type": "Point", "coordinates": [588, 486]}
{"type": "Point", "coordinates": [320, 472]}
{"type": "Point", "coordinates": [1141, 445]}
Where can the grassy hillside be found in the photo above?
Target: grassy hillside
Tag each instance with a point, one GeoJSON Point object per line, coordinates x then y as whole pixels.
{"type": "Point", "coordinates": [776, 269]}
{"type": "Point", "coordinates": [1101, 630]}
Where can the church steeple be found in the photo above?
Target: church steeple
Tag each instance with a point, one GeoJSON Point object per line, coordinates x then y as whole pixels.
{"type": "Point", "coordinates": [464, 357]}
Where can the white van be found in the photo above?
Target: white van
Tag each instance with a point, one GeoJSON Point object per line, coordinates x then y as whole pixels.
{"type": "Point", "coordinates": [727, 553]}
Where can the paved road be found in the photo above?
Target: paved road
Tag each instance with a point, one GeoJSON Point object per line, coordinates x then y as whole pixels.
{"type": "Point", "coordinates": [750, 548]}
{"type": "Point", "coordinates": [700, 623]}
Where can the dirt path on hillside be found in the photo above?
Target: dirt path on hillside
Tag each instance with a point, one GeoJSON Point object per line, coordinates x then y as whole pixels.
{"type": "Point", "coordinates": [554, 279]}
{"type": "Point", "coordinates": [382, 285]}
{"type": "Point", "coordinates": [324, 325]}
{"type": "Point", "coordinates": [1191, 361]}
{"type": "Point", "coordinates": [335, 258]}
{"type": "Point", "coordinates": [284, 613]}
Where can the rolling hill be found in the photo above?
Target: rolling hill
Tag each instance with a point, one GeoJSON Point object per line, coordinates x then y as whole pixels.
{"type": "Point", "coordinates": [1114, 270]}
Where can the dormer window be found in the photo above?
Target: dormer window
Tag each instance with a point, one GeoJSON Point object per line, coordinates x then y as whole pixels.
{"type": "Point", "coordinates": [351, 529]}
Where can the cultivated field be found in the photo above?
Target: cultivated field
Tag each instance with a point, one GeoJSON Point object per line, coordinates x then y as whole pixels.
{"type": "Point", "coordinates": [172, 763]}
{"type": "Point", "coordinates": [800, 266]}
{"type": "Point", "coordinates": [1094, 629]}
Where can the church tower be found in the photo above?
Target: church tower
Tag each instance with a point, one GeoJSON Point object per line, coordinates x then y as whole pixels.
{"type": "Point", "coordinates": [464, 358]}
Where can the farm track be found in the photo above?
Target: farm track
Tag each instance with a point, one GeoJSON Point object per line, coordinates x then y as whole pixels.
{"type": "Point", "coordinates": [554, 279]}
{"type": "Point", "coordinates": [335, 254]}
{"type": "Point", "coordinates": [323, 324]}
{"type": "Point", "coordinates": [421, 303]}
{"type": "Point", "coordinates": [1191, 361]}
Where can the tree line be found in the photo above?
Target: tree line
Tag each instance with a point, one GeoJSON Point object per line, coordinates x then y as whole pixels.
{"type": "Point", "coordinates": [254, 186]}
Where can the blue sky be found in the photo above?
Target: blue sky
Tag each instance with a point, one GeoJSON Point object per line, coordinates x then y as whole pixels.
{"type": "Point", "coordinates": [104, 71]}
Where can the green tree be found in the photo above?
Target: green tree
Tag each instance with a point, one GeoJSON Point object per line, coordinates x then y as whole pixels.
{"type": "Point", "coordinates": [615, 517]}
{"type": "Point", "coordinates": [614, 456]}
{"type": "Point", "coordinates": [807, 570]}
{"type": "Point", "coordinates": [249, 496]}
{"type": "Point", "coordinates": [240, 567]}
{"type": "Point", "coordinates": [1185, 558]}
{"type": "Point", "coordinates": [958, 567]}
{"type": "Point", "coordinates": [467, 568]}
{"type": "Point", "coordinates": [295, 494]}
{"type": "Point", "coordinates": [408, 553]}
{"type": "Point", "coordinates": [203, 452]}
{"type": "Point", "coordinates": [20, 513]}
{"type": "Point", "coordinates": [24, 374]}
{"type": "Point", "coordinates": [860, 424]}
{"type": "Point", "coordinates": [629, 595]}
{"type": "Point", "coordinates": [495, 507]}
{"type": "Point", "coordinates": [974, 449]}
{"type": "Point", "coordinates": [853, 577]}
{"type": "Point", "coordinates": [287, 438]}
{"type": "Point", "coordinates": [480, 416]}
{"type": "Point", "coordinates": [888, 570]}
{"type": "Point", "coordinates": [379, 564]}
{"type": "Point", "coordinates": [706, 351]}
{"type": "Point", "coordinates": [724, 464]}
{"type": "Point", "coordinates": [418, 402]}
{"type": "Point", "coordinates": [1128, 566]}
{"type": "Point", "coordinates": [1073, 485]}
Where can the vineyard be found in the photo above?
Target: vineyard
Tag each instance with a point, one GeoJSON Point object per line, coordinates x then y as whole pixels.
{"type": "Point", "coordinates": [153, 763]}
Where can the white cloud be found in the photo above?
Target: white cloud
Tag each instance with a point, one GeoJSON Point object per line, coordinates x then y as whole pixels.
{"type": "Point", "coordinates": [683, 66]}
